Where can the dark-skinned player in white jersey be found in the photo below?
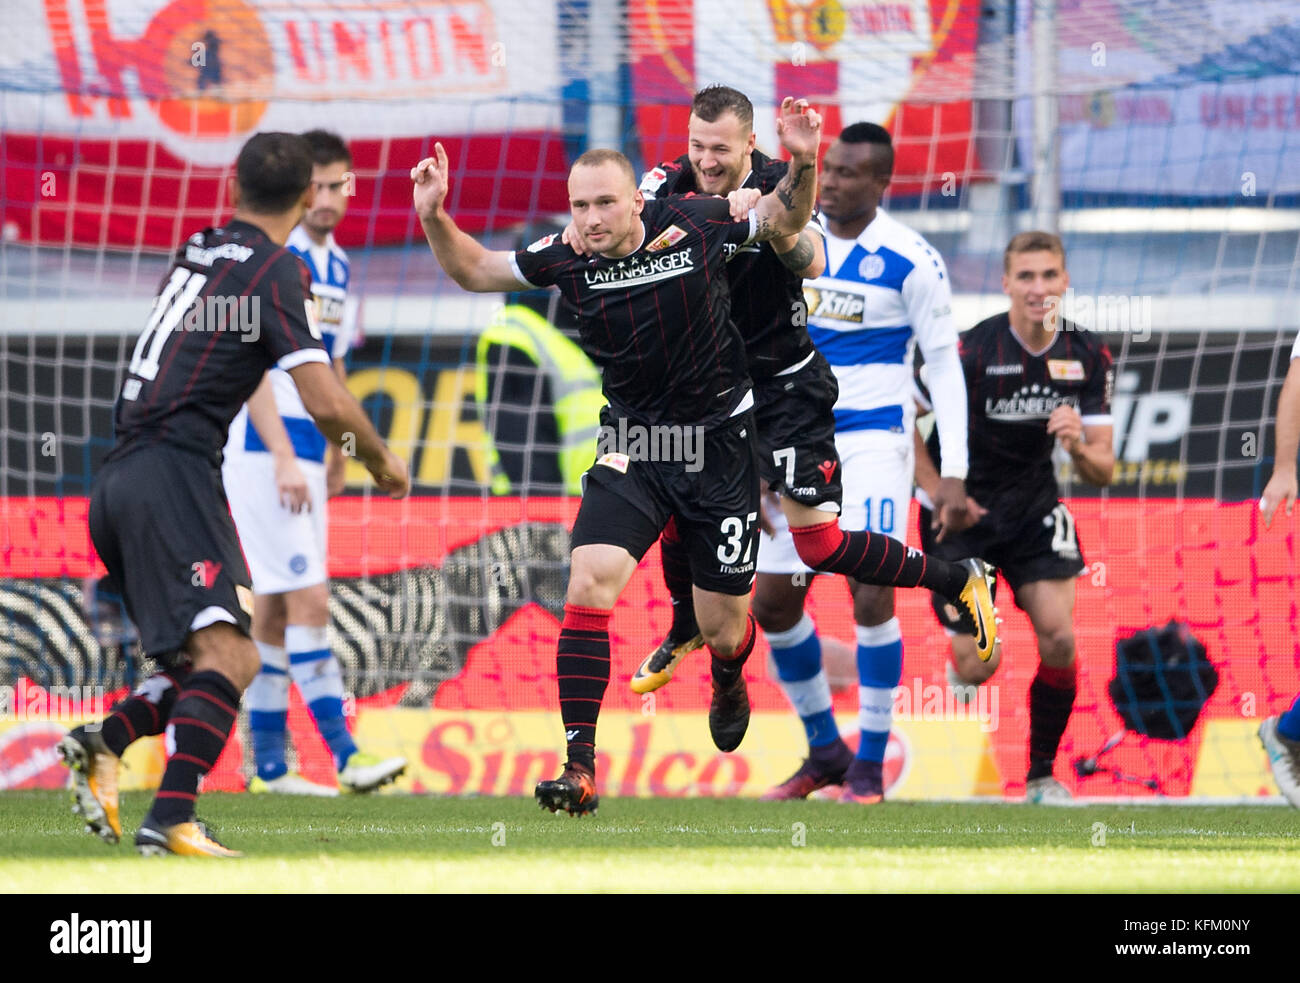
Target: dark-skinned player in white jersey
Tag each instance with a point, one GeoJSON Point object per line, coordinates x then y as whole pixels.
{"type": "Point", "coordinates": [654, 315]}
{"type": "Point", "coordinates": [1034, 380]}
{"type": "Point", "coordinates": [233, 305]}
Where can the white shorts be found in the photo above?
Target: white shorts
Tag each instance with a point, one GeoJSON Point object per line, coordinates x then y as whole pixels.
{"type": "Point", "coordinates": [876, 472]}
{"type": "Point", "coordinates": [284, 551]}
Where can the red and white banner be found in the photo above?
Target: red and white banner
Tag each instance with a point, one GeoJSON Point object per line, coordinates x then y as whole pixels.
{"type": "Point", "coordinates": [124, 118]}
{"type": "Point", "coordinates": [906, 64]}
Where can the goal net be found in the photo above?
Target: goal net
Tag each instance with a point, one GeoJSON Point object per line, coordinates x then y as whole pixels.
{"type": "Point", "coordinates": [1173, 176]}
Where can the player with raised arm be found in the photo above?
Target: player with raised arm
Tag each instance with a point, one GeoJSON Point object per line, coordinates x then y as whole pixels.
{"type": "Point", "coordinates": [1034, 381]}
{"type": "Point", "coordinates": [885, 291]}
{"type": "Point", "coordinates": [1280, 733]}
{"type": "Point", "coordinates": [653, 311]}
{"type": "Point", "coordinates": [794, 387]}
{"type": "Point", "coordinates": [279, 473]}
{"type": "Point", "coordinates": [232, 305]}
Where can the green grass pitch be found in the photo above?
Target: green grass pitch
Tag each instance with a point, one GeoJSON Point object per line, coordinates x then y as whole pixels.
{"type": "Point", "coordinates": [424, 844]}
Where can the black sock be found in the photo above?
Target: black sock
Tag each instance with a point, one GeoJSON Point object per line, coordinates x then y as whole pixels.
{"type": "Point", "coordinates": [201, 722]}
{"type": "Point", "coordinates": [582, 671]}
{"type": "Point", "coordinates": [143, 713]}
{"type": "Point", "coordinates": [874, 558]}
{"type": "Point", "coordinates": [725, 670]}
{"type": "Point", "coordinates": [677, 578]}
{"type": "Point", "coordinates": [1049, 713]}
{"type": "Point", "coordinates": [684, 626]}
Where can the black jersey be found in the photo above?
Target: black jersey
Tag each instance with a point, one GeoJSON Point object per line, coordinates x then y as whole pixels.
{"type": "Point", "coordinates": [233, 305]}
{"type": "Point", "coordinates": [1012, 392]}
{"type": "Point", "coordinates": [657, 321]}
{"type": "Point", "coordinates": [766, 296]}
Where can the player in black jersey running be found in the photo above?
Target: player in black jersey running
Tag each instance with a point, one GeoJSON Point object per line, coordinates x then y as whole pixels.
{"type": "Point", "coordinates": [233, 305]}
{"type": "Point", "coordinates": [653, 310]}
{"type": "Point", "coordinates": [1033, 380]}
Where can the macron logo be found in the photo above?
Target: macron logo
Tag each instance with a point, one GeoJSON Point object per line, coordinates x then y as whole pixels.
{"type": "Point", "coordinates": [104, 937]}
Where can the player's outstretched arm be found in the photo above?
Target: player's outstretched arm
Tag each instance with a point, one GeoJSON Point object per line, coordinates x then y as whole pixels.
{"type": "Point", "coordinates": [788, 208]}
{"type": "Point", "coordinates": [465, 260]}
{"type": "Point", "coordinates": [341, 419]}
{"type": "Point", "coordinates": [1281, 487]}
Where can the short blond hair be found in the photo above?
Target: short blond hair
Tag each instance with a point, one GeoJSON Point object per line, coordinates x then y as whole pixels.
{"type": "Point", "coordinates": [594, 158]}
{"type": "Point", "coordinates": [1032, 242]}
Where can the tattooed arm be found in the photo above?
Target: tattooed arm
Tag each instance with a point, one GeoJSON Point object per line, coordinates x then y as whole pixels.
{"type": "Point", "coordinates": [802, 255]}
{"type": "Point", "coordinates": [788, 208]}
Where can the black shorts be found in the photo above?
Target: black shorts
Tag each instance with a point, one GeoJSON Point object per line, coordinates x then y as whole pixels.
{"type": "Point", "coordinates": [796, 433]}
{"type": "Point", "coordinates": [715, 504]}
{"type": "Point", "coordinates": [160, 522]}
{"type": "Point", "coordinates": [1024, 549]}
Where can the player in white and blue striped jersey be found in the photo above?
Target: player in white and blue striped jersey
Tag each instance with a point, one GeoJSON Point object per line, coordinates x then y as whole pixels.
{"type": "Point", "coordinates": [885, 292]}
{"type": "Point", "coordinates": [278, 478]}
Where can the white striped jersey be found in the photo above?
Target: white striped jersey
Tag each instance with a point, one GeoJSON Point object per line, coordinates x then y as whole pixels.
{"type": "Point", "coordinates": [881, 294]}
{"type": "Point", "coordinates": [336, 316]}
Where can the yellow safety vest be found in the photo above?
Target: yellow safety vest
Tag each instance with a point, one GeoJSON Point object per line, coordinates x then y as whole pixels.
{"type": "Point", "coordinates": [575, 388]}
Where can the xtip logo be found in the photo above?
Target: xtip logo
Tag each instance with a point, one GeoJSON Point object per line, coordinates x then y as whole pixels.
{"type": "Point", "coordinates": [103, 937]}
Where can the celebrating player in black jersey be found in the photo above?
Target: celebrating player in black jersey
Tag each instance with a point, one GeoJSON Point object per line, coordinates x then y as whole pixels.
{"type": "Point", "coordinates": [654, 315]}
{"type": "Point", "coordinates": [793, 386]}
{"type": "Point", "coordinates": [233, 305]}
{"type": "Point", "coordinates": [1033, 380]}
{"type": "Point", "coordinates": [794, 391]}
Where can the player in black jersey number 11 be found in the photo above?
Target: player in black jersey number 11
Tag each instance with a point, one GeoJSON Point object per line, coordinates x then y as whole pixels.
{"type": "Point", "coordinates": [1034, 380]}
{"type": "Point", "coordinates": [159, 516]}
